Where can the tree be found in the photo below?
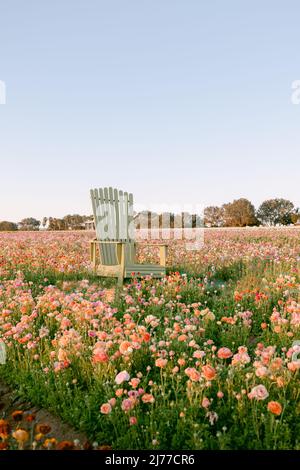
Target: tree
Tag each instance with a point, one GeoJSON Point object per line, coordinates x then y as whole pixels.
{"type": "Point", "coordinates": [295, 217]}
{"type": "Point", "coordinates": [29, 224]}
{"type": "Point", "coordinates": [75, 221]}
{"type": "Point", "coordinates": [276, 211]}
{"type": "Point", "coordinates": [214, 216]}
{"type": "Point", "coordinates": [6, 226]}
{"type": "Point", "coordinates": [56, 224]}
{"type": "Point", "coordinates": [239, 213]}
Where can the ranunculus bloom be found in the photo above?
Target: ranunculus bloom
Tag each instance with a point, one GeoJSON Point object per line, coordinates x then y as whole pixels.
{"type": "Point", "coordinates": [161, 362]}
{"type": "Point", "coordinates": [105, 408]}
{"type": "Point", "coordinates": [122, 377]}
{"type": "Point", "coordinates": [224, 353]}
{"type": "Point", "coordinates": [208, 372]}
{"type": "Point", "coordinates": [134, 382]}
{"type": "Point", "coordinates": [100, 356]}
{"type": "Point", "coordinates": [193, 374]}
{"type": "Point", "coordinates": [205, 402]}
{"type": "Point", "coordinates": [148, 398]}
{"type": "Point", "coordinates": [275, 408]}
{"type": "Point", "coordinates": [259, 392]}
{"type": "Point", "coordinates": [128, 404]}
{"type": "Point", "coordinates": [125, 348]}
{"type": "Point", "coordinates": [132, 421]}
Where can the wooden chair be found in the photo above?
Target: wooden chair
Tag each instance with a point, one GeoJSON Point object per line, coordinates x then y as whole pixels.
{"type": "Point", "coordinates": [116, 254]}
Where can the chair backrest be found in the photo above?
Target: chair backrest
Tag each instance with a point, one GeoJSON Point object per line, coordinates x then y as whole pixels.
{"type": "Point", "coordinates": [113, 214]}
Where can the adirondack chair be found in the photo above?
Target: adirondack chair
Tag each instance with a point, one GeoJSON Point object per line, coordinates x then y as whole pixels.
{"type": "Point", "coordinates": [116, 254]}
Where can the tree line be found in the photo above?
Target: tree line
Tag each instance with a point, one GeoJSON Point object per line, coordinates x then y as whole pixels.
{"type": "Point", "coordinates": [68, 222]}
{"type": "Point", "coordinates": [239, 213]}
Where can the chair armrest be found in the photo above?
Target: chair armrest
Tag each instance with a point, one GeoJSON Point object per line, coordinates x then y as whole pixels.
{"type": "Point", "coordinates": [95, 240]}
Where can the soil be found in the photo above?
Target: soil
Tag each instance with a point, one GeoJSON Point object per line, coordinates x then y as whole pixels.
{"type": "Point", "coordinates": [60, 430]}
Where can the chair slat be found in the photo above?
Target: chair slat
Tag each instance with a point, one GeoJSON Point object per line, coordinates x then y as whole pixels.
{"type": "Point", "coordinates": [117, 213]}
{"type": "Point", "coordinates": [122, 230]}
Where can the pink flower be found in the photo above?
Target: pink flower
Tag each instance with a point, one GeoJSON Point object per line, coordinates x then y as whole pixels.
{"type": "Point", "coordinates": [224, 353]}
{"type": "Point", "coordinates": [105, 408]}
{"type": "Point", "coordinates": [261, 371]}
{"type": "Point", "coordinates": [128, 404]}
{"type": "Point", "coordinates": [193, 374]}
{"type": "Point", "coordinates": [122, 377]}
{"type": "Point", "coordinates": [161, 362]}
{"type": "Point", "coordinates": [259, 392]}
{"type": "Point", "coordinates": [134, 382]}
{"type": "Point", "coordinates": [132, 421]}
{"type": "Point", "coordinates": [205, 402]}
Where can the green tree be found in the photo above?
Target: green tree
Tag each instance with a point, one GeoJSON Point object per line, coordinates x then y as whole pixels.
{"type": "Point", "coordinates": [29, 223]}
{"type": "Point", "coordinates": [295, 217]}
{"type": "Point", "coordinates": [276, 211]}
{"type": "Point", "coordinates": [6, 226]}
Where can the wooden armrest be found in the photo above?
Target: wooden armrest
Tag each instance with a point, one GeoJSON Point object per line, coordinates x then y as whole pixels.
{"type": "Point", "coordinates": [107, 241]}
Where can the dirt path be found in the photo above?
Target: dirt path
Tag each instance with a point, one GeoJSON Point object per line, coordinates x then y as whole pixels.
{"type": "Point", "coordinates": [60, 430]}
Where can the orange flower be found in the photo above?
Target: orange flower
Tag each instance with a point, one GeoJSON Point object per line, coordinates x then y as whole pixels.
{"type": "Point", "coordinates": [4, 429]}
{"type": "Point", "coordinates": [209, 372]}
{"type": "Point", "coordinates": [224, 353]}
{"type": "Point", "coordinates": [30, 417]}
{"type": "Point", "coordinates": [125, 348]}
{"type": "Point", "coordinates": [275, 408]}
{"type": "Point", "coordinates": [43, 429]}
{"type": "Point", "coordinates": [148, 398]}
{"type": "Point", "coordinates": [50, 442]}
{"type": "Point", "coordinates": [146, 337]}
{"type": "Point", "coordinates": [65, 445]}
{"type": "Point", "coordinates": [17, 415]}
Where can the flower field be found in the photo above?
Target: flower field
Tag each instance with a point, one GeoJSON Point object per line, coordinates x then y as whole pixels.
{"type": "Point", "coordinates": [206, 358]}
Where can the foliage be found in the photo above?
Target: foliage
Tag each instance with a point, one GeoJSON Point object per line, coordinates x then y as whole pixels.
{"type": "Point", "coordinates": [276, 211]}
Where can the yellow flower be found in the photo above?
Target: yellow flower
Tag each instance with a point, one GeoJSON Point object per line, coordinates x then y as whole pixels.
{"type": "Point", "coordinates": [20, 435]}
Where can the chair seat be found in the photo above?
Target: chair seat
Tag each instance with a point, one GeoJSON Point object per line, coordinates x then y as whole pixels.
{"type": "Point", "coordinates": [145, 270]}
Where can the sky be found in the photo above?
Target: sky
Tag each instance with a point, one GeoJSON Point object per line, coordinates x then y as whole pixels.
{"type": "Point", "coordinates": [178, 101]}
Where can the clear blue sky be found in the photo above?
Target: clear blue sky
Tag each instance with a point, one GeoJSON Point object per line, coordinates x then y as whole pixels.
{"type": "Point", "coordinates": [175, 100]}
